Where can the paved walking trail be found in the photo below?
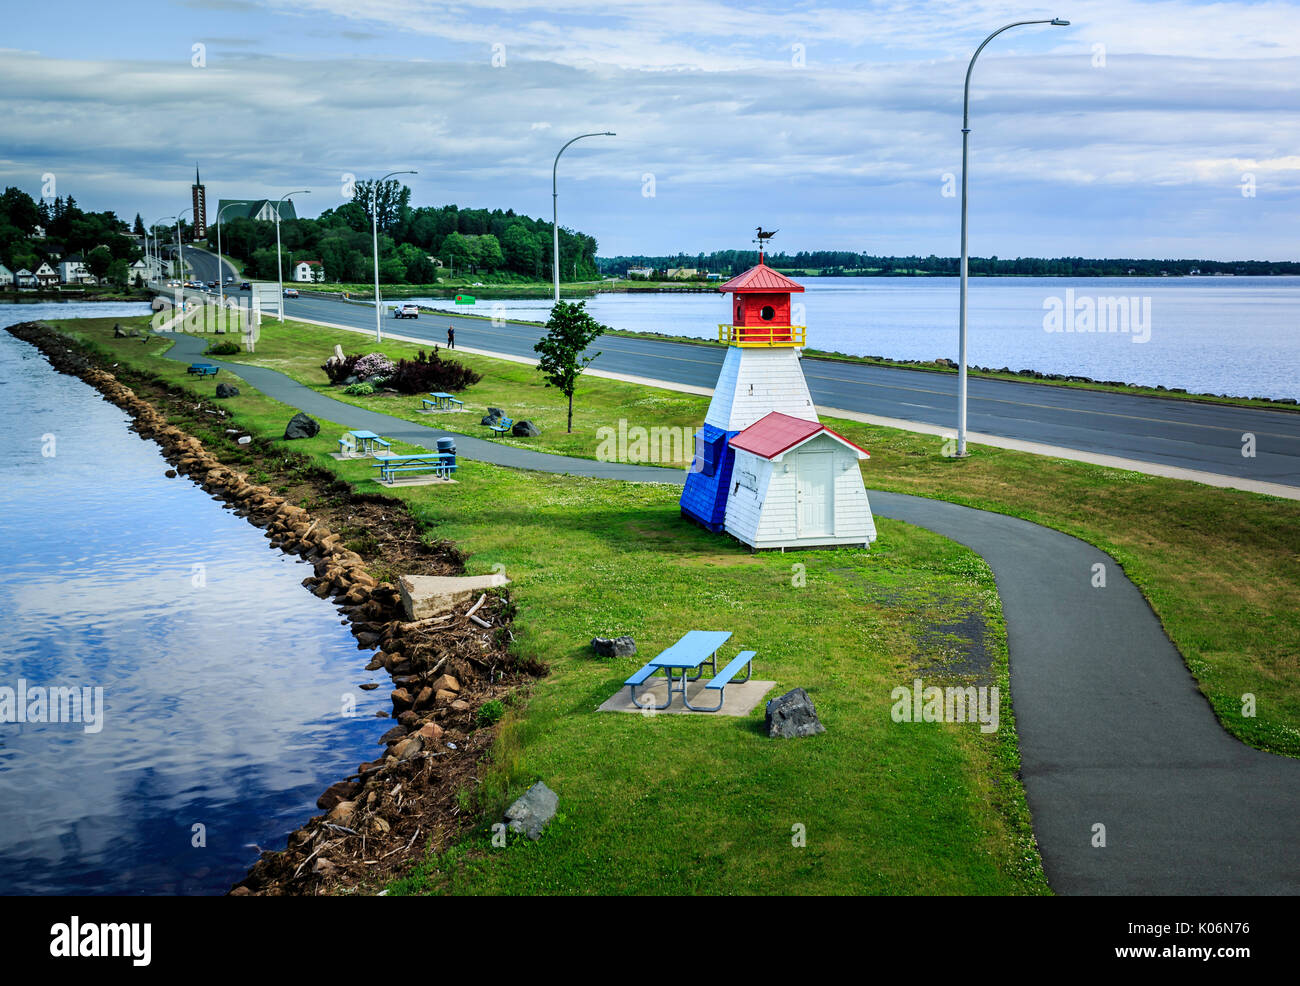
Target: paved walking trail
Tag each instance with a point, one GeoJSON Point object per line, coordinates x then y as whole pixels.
{"type": "Point", "coordinates": [1112, 728]}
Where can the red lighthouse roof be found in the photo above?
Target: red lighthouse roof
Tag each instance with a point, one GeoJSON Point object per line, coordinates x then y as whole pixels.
{"type": "Point", "coordinates": [761, 279]}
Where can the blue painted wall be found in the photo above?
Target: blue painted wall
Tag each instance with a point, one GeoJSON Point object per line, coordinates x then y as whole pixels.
{"type": "Point", "coordinates": [704, 498]}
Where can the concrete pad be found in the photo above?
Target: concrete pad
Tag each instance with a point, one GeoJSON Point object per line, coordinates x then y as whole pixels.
{"type": "Point", "coordinates": [444, 410]}
{"type": "Point", "coordinates": [430, 595]}
{"type": "Point", "coordinates": [739, 699]}
{"type": "Point", "coordinates": [429, 480]}
{"type": "Point", "coordinates": [349, 456]}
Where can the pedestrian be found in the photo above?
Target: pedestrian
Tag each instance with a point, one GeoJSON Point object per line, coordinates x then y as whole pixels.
{"type": "Point", "coordinates": [451, 337]}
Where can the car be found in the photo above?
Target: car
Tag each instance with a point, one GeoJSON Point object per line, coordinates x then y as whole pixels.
{"type": "Point", "coordinates": [212, 284]}
{"type": "Point", "coordinates": [230, 278]}
{"type": "Point", "coordinates": [406, 311]}
{"type": "Point", "coordinates": [245, 286]}
{"type": "Point", "coordinates": [291, 292]}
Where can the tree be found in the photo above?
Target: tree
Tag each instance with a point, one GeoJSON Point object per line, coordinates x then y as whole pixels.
{"type": "Point", "coordinates": [138, 226]}
{"type": "Point", "coordinates": [119, 272]}
{"type": "Point", "coordinates": [392, 198]}
{"type": "Point", "coordinates": [98, 261]}
{"type": "Point", "coordinates": [569, 331]}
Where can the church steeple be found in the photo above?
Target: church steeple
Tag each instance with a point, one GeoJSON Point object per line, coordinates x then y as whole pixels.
{"type": "Point", "coordinates": [199, 198]}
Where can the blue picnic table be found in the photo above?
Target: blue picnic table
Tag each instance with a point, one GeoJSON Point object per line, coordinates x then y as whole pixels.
{"type": "Point", "coordinates": [439, 463]}
{"type": "Point", "coordinates": [440, 400]}
{"type": "Point", "coordinates": [364, 442]}
{"type": "Point", "coordinates": [694, 650]}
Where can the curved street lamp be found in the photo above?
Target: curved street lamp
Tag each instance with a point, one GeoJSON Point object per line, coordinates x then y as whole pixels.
{"type": "Point", "coordinates": [157, 252]}
{"type": "Point", "coordinates": [374, 232]}
{"type": "Point", "coordinates": [555, 209]}
{"type": "Point", "coordinates": [279, 267]}
{"type": "Point", "coordinates": [965, 141]}
{"type": "Point", "coordinates": [221, 281]}
{"type": "Point", "coordinates": [180, 245]}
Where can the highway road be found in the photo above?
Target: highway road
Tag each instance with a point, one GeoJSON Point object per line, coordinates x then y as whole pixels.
{"type": "Point", "coordinates": [1184, 434]}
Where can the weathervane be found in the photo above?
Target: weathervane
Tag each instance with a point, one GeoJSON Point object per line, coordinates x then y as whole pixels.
{"type": "Point", "coordinates": [761, 239]}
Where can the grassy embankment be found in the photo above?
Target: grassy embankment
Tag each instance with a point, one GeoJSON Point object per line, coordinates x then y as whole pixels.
{"type": "Point", "coordinates": [1220, 567]}
{"type": "Point", "coordinates": [690, 804]}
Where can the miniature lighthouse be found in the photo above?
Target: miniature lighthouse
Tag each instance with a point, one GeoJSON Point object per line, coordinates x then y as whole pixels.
{"type": "Point", "coordinates": [765, 469]}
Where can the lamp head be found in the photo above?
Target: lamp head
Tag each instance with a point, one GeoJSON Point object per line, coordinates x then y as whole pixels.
{"type": "Point", "coordinates": [1057, 22]}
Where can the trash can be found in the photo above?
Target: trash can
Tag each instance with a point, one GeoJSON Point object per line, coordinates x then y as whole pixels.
{"type": "Point", "coordinates": [448, 445]}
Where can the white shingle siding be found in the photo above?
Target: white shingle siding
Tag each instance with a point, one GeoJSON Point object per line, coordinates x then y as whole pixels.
{"type": "Point", "coordinates": [768, 517]}
{"type": "Point", "coordinates": [756, 381]}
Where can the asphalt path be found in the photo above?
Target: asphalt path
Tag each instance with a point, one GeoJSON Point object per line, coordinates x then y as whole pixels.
{"type": "Point", "coordinates": [1171, 432]}
{"type": "Point", "coordinates": [1112, 729]}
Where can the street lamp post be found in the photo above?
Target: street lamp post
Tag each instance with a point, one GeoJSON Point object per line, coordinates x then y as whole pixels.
{"type": "Point", "coordinates": [180, 245]}
{"type": "Point", "coordinates": [374, 232]}
{"type": "Point", "coordinates": [279, 267]}
{"type": "Point", "coordinates": [965, 257]}
{"type": "Point", "coordinates": [555, 210]}
{"type": "Point", "coordinates": [157, 251]}
{"type": "Point", "coordinates": [221, 281]}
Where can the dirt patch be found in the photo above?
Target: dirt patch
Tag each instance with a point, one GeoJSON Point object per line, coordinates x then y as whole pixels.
{"type": "Point", "coordinates": [379, 820]}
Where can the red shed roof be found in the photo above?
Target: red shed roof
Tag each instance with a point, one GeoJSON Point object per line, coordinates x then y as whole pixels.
{"type": "Point", "coordinates": [775, 433]}
{"type": "Point", "coordinates": [761, 279]}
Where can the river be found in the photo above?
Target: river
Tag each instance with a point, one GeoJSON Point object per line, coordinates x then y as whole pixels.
{"type": "Point", "coordinates": [1232, 335]}
{"type": "Point", "coordinates": [225, 682]}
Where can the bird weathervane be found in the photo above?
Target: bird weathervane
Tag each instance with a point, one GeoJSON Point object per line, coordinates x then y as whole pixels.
{"type": "Point", "coordinates": [761, 239]}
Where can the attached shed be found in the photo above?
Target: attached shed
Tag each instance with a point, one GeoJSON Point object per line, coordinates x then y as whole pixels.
{"type": "Point", "coordinates": [796, 484]}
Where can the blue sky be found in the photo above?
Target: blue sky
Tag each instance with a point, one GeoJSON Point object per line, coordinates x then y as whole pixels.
{"type": "Point", "coordinates": [1129, 133]}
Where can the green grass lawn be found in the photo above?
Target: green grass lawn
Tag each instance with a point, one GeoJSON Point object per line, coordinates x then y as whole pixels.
{"type": "Point", "coordinates": [685, 804]}
{"type": "Point", "coordinates": [1221, 568]}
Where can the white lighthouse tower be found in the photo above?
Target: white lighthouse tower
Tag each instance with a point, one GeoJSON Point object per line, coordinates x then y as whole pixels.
{"type": "Point", "coordinates": [798, 484]}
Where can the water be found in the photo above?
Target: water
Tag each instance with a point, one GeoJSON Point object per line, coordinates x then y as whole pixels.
{"type": "Point", "coordinates": [1233, 335]}
{"type": "Point", "coordinates": [222, 701]}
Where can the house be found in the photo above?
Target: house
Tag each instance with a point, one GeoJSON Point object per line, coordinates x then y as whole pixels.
{"type": "Point", "coordinates": [796, 484]}
{"type": "Point", "coordinates": [46, 276]}
{"type": "Point", "coordinates": [24, 279]}
{"type": "Point", "coordinates": [229, 209]}
{"type": "Point", "coordinates": [72, 269]}
{"type": "Point", "coordinates": [646, 272]}
{"type": "Point", "coordinates": [682, 273]}
{"type": "Point", "coordinates": [6, 277]}
{"type": "Point", "coordinates": [141, 269]}
{"type": "Point", "coordinates": [309, 271]}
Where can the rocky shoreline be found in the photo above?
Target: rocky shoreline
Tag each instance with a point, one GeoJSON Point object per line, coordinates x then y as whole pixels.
{"type": "Point", "coordinates": [442, 669]}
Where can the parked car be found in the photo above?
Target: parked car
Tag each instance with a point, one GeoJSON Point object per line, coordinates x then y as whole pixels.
{"type": "Point", "coordinates": [245, 286]}
{"type": "Point", "coordinates": [291, 292]}
{"type": "Point", "coordinates": [406, 311]}
{"type": "Point", "coordinates": [212, 284]}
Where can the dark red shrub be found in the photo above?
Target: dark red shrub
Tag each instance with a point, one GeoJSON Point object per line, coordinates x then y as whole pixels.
{"type": "Point", "coordinates": [426, 373]}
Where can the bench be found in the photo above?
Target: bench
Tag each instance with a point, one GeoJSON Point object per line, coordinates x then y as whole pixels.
{"type": "Point", "coordinates": [348, 444]}
{"type": "Point", "coordinates": [203, 370]}
{"type": "Point", "coordinates": [502, 426]}
{"type": "Point", "coordinates": [441, 463]}
{"type": "Point", "coordinates": [719, 682]}
{"type": "Point", "coordinates": [639, 679]}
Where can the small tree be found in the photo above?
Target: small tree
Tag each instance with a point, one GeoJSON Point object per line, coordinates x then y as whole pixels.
{"type": "Point", "coordinates": [569, 332]}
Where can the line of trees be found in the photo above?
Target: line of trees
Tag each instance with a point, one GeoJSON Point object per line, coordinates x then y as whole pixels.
{"type": "Point", "coordinates": [497, 243]}
{"type": "Point", "coordinates": [98, 236]}
{"type": "Point", "coordinates": [841, 263]}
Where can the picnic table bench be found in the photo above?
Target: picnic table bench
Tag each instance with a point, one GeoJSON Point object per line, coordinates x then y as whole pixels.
{"type": "Point", "coordinates": [502, 426]}
{"type": "Point", "coordinates": [203, 370]}
{"type": "Point", "coordinates": [694, 650]}
{"type": "Point", "coordinates": [365, 442]}
{"type": "Point", "coordinates": [441, 463]}
{"type": "Point", "coordinates": [441, 401]}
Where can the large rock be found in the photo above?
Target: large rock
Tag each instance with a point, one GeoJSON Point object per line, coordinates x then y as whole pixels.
{"type": "Point", "coordinates": [614, 647]}
{"type": "Point", "coordinates": [494, 415]}
{"type": "Point", "coordinates": [525, 429]}
{"type": "Point", "coordinates": [791, 715]}
{"type": "Point", "coordinates": [531, 812]}
{"type": "Point", "coordinates": [301, 426]}
{"type": "Point", "coordinates": [424, 596]}
{"type": "Point", "coordinates": [226, 390]}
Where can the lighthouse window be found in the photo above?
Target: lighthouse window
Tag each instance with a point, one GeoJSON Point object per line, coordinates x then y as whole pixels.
{"type": "Point", "coordinates": [767, 313]}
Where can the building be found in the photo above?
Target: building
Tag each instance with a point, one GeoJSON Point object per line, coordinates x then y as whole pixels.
{"type": "Point", "coordinates": [72, 270]}
{"type": "Point", "coordinates": [46, 276]}
{"type": "Point", "coordinates": [142, 269]}
{"type": "Point", "coordinates": [682, 273]}
{"type": "Point", "coordinates": [765, 469]}
{"type": "Point", "coordinates": [308, 271]}
{"type": "Point", "coordinates": [796, 484]}
{"type": "Point", "coordinates": [24, 279]}
{"type": "Point", "coordinates": [199, 195]}
{"type": "Point", "coordinates": [6, 277]}
{"type": "Point", "coordinates": [254, 209]}
{"type": "Point", "coordinates": [646, 272]}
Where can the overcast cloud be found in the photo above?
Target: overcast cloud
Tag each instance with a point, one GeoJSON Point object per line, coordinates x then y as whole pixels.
{"type": "Point", "coordinates": [1128, 133]}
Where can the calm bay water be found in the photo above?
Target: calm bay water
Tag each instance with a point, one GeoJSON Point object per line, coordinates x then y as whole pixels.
{"type": "Point", "coordinates": [222, 700]}
{"type": "Point", "coordinates": [1234, 335]}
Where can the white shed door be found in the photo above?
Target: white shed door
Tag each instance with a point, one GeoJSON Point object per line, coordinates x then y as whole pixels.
{"type": "Point", "coordinates": [816, 487]}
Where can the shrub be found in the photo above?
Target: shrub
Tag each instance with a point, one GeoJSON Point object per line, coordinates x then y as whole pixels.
{"type": "Point", "coordinates": [359, 388]}
{"type": "Point", "coordinates": [430, 372]}
{"type": "Point", "coordinates": [222, 349]}
{"type": "Point", "coordinates": [490, 712]}
{"type": "Point", "coordinates": [338, 372]}
{"type": "Point", "coordinates": [373, 364]}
